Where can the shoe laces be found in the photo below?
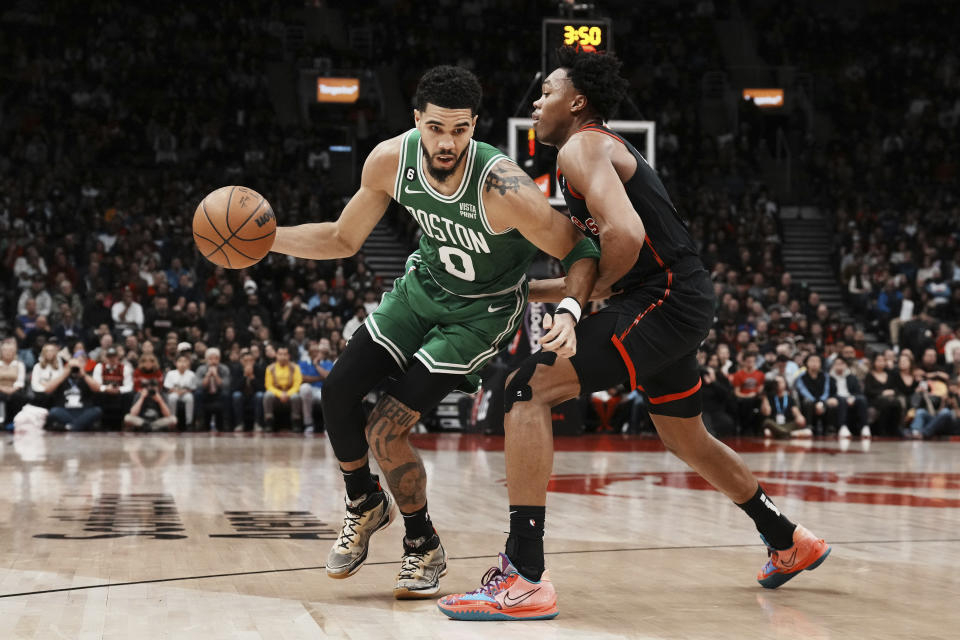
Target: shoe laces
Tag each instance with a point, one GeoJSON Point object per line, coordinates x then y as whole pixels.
{"type": "Point", "coordinates": [411, 564]}
{"type": "Point", "coordinates": [349, 529]}
{"type": "Point", "coordinates": [491, 581]}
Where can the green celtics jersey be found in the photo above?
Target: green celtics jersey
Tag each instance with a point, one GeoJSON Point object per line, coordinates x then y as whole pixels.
{"type": "Point", "coordinates": [458, 248]}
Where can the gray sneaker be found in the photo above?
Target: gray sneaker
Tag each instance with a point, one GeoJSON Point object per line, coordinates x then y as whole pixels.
{"type": "Point", "coordinates": [424, 563]}
{"type": "Point", "coordinates": [369, 514]}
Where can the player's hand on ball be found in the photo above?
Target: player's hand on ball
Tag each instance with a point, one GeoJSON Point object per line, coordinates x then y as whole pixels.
{"type": "Point", "coordinates": [561, 334]}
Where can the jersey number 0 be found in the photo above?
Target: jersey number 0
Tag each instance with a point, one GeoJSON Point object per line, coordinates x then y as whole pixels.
{"type": "Point", "coordinates": [464, 270]}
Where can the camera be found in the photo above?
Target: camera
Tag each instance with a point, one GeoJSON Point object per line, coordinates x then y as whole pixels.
{"type": "Point", "coordinates": [150, 385]}
{"type": "Point", "coordinates": [74, 371]}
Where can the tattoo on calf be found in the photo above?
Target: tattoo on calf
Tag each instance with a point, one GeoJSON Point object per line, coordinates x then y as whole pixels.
{"type": "Point", "coordinates": [389, 421]}
{"type": "Point", "coordinates": [408, 484]}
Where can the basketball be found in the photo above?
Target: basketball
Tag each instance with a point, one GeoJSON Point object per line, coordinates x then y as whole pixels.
{"type": "Point", "coordinates": [234, 227]}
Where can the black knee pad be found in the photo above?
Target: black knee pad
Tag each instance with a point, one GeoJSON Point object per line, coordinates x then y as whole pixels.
{"type": "Point", "coordinates": [518, 389]}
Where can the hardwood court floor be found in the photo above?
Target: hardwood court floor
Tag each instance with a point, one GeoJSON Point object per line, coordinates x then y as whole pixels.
{"type": "Point", "coordinates": [107, 536]}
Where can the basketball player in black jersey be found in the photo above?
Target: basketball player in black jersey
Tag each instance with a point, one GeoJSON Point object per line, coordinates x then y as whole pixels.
{"type": "Point", "coordinates": [661, 308]}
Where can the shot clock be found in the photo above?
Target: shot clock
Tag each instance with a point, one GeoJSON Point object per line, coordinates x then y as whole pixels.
{"type": "Point", "coordinates": [588, 34]}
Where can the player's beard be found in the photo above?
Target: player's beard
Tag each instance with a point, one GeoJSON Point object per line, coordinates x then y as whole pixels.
{"type": "Point", "coordinates": [441, 175]}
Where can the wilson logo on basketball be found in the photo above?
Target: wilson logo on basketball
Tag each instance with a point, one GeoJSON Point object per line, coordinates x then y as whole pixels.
{"type": "Point", "coordinates": [265, 218]}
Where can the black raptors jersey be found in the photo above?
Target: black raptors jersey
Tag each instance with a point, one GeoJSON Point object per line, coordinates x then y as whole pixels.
{"type": "Point", "coordinates": [668, 249]}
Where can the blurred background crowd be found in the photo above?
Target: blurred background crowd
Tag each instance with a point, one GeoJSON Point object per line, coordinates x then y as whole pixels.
{"type": "Point", "coordinates": [112, 130]}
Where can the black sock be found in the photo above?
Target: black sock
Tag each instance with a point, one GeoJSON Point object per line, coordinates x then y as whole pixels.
{"type": "Point", "coordinates": [775, 528]}
{"type": "Point", "coordinates": [525, 544]}
{"type": "Point", "coordinates": [359, 481]}
{"type": "Point", "coordinates": [417, 524]}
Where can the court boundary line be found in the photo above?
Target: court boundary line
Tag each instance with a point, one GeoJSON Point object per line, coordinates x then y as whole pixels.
{"type": "Point", "coordinates": [373, 564]}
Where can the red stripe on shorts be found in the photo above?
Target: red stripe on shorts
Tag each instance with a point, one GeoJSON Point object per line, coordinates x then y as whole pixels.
{"type": "Point", "coordinates": [626, 360]}
{"type": "Point", "coordinates": [670, 397]}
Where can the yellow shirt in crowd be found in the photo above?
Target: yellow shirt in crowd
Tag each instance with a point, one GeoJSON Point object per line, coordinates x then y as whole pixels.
{"type": "Point", "coordinates": [283, 379]}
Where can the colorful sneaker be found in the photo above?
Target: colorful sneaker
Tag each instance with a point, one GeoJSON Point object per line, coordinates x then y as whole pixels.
{"type": "Point", "coordinates": [364, 516]}
{"type": "Point", "coordinates": [808, 552]}
{"type": "Point", "coordinates": [424, 563]}
{"type": "Point", "coordinates": [505, 595]}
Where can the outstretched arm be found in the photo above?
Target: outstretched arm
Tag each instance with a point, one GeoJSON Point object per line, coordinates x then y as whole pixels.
{"type": "Point", "coordinates": [345, 236]}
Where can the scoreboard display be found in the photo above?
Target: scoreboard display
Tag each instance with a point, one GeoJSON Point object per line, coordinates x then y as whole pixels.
{"type": "Point", "coordinates": [594, 35]}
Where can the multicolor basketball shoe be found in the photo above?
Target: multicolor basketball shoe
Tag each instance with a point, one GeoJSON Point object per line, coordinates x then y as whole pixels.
{"type": "Point", "coordinates": [505, 595]}
{"type": "Point", "coordinates": [808, 552]}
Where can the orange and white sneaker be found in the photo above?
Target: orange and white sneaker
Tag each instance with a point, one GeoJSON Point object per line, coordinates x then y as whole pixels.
{"type": "Point", "coordinates": [808, 552]}
{"type": "Point", "coordinates": [505, 595]}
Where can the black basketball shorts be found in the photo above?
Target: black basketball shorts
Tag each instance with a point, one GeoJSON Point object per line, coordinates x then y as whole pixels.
{"type": "Point", "coordinates": [648, 340]}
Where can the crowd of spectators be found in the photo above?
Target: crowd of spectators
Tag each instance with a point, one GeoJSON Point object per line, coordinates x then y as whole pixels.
{"type": "Point", "coordinates": [112, 130]}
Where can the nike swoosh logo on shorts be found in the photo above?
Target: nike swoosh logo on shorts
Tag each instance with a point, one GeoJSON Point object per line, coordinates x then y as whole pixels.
{"type": "Point", "coordinates": [493, 309]}
{"type": "Point", "coordinates": [512, 602]}
{"type": "Point", "coordinates": [406, 189]}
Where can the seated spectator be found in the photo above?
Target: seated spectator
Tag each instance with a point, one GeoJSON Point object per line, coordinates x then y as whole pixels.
{"type": "Point", "coordinates": [74, 406]}
{"type": "Point", "coordinates": [930, 366]}
{"type": "Point", "coordinates": [247, 379]}
{"type": "Point", "coordinates": [149, 411]}
{"type": "Point", "coordinates": [851, 403]}
{"type": "Point", "coordinates": [748, 388]}
{"type": "Point", "coordinates": [48, 368]}
{"type": "Point", "coordinates": [67, 328]}
{"type": "Point", "coordinates": [781, 416]}
{"type": "Point", "coordinates": [881, 392]}
{"type": "Point", "coordinates": [28, 266]}
{"type": "Point", "coordinates": [12, 381]}
{"type": "Point", "coordinates": [180, 384]}
{"type": "Point", "coordinates": [354, 323]}
{"type": "Point", "coordinates": [361, 279]}
{"type": "Point", "coordinates": [927, 403]}
{"type": "Point", "coordinates": [159, 320]}
{"type": "Point", "coordinates": [127, 314]}
{"type": "Point", "coordinates": [26, 322]}
{"type": "Point", "coordinates": [148, 368]}
{"type": "Point", "coordinates": [314, 369]}
{"type": "Point", "coordinates": [814, 390]}
{"type": "Point", "coordinates": [66, 299]}
{"type": "Point", "coordinates": [947, 420]}
{"type": "Point", "coordinates": [905, 381]}
{"type": "Point", "coordinates": [114, 379]}
{"type": "Point", "coordinates": [213, 392]}
{"type": "Point", "coordinates": [37, 292]}
{"type": "Point", "coordinates": [719, 402]}
{"type": "Point", "coordinates": [282, 383]}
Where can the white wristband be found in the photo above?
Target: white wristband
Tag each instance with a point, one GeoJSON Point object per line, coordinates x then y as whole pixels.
{"type": "Point", "coordinates": [571, 306]}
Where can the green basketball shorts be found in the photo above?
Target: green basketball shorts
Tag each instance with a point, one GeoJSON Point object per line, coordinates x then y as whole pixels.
{"type": "Point", "coordinates": [448, 333]}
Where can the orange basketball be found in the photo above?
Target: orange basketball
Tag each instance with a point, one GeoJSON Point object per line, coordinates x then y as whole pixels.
{"type": "Point", "coordinates": [234, 227]}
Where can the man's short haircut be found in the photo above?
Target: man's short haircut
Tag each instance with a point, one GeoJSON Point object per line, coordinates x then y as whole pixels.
{"type": "Point", "coordinates": [597, 76]}
{"type": "Point", "coordinates": [449, 87]}
{"type": "Point", "coordinates": [212, 351]}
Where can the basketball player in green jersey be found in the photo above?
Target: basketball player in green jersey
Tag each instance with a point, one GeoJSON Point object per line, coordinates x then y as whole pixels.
{"type": "Point", "coordinates": [459, 302]}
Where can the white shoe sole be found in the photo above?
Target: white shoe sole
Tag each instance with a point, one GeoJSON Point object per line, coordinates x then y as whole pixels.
{"type": "Point", "coordinates": [403, 593]}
